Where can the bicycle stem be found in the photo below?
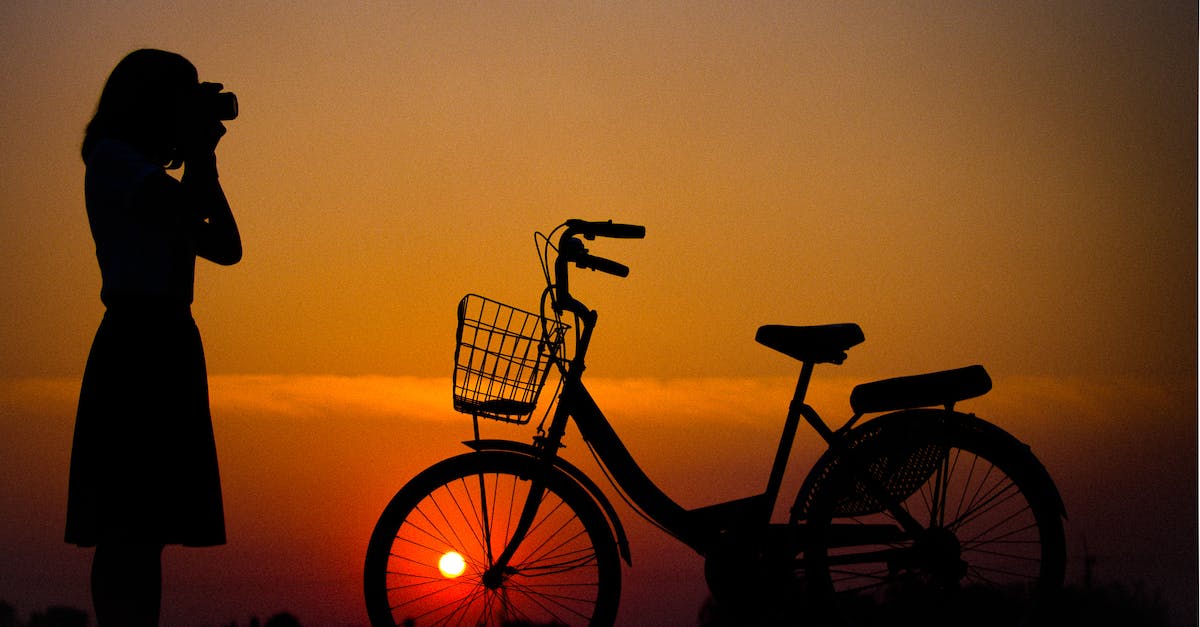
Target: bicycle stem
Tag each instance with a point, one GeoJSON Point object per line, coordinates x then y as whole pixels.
{"type": "Point", "coordinates": [569, 250]}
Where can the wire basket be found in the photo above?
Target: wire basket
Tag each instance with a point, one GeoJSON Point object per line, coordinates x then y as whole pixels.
{"type": "Point", "coordinates": [502, 358]}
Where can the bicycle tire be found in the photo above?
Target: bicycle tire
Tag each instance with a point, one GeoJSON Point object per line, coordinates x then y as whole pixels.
{"type": "Point", "coordinates": [993, 553]}
{"type": "Point", "coordinates": [565, 572]}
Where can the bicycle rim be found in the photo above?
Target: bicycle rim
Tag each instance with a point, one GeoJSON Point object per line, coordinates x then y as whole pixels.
{"type": "Point", "coordinates": [565, 570]}
{"type": "Point", "coordinates": [992, 552]}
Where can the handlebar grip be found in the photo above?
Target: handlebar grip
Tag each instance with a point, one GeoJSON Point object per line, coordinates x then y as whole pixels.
{"type": "Point", "coordinates": [607, 229]}
{"type": "Point", "coordinates": [623, 231]}
{"type": "Point", "coordinates": [607, 266]}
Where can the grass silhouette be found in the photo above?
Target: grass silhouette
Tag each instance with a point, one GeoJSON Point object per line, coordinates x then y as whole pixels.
{"type": "Point", "coordinates": [1105, 605]}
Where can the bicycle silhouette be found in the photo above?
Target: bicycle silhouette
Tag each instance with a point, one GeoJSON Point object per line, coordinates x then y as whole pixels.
{"type": "Point", "coordinates": [921, 515]}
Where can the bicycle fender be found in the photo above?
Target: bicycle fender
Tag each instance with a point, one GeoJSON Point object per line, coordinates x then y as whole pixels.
{"type": "Point", "coordinates": [574, 473]}
{"type": "Point", "coordinates": [971, 421]}
{"type": "Point", "coordinates": [915, 421]}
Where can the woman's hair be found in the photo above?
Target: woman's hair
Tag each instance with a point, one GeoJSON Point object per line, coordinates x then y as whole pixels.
{"type": "Point", "coordinates": [139, 104]}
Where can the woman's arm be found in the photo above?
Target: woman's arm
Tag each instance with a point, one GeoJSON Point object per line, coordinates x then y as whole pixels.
{"type": "Point", "coordinates": [215, 230]}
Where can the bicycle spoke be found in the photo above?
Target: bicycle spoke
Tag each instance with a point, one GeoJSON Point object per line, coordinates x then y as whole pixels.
{"type": "Point", "coordinates": [554, 606]}
{"type": "Point", "coordinates": [940, 484]}
{"type": "Point", "coordinates": [996, 500]}
{"type": "Point", "coordinates": [435, 609]}
{"type": "Point", "coordinates": [979, 490]}
{"type": "Point", "coordinates": [1007, 573]}
{"type": "Point", "coordinates": [984, 535]}
{"type": "Point", "coordinates": [1030, 545]}
{"type": "Point", "coordinates": [543, 551]}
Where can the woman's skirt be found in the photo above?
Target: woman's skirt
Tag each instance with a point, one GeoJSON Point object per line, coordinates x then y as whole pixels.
{"type": "Point", "coordinates": [144, 460]}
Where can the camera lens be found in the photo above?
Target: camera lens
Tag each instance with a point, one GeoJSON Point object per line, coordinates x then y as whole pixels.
{"type": "Point", "coordinates": [226, 106]}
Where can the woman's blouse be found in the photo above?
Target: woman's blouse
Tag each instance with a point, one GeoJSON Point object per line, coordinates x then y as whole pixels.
{"type": "Point", "coordinates": [145, 253]}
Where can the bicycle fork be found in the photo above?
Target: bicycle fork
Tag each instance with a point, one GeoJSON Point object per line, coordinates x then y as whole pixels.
{"type": "Point", "coordinates": [499, 569]}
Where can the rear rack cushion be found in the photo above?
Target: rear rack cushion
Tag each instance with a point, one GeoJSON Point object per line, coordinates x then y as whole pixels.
{"type": "Point", "coordinates": [821, 344]}
{"type": "Point", "coordinates": [923, 390]}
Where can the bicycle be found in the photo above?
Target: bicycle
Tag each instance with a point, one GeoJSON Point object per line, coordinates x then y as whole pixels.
{"type": "Point", "coordinates": [921, 513]}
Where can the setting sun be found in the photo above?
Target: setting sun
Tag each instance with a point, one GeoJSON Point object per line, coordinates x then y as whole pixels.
{"type": "Point", "coordinates": [451, 565]}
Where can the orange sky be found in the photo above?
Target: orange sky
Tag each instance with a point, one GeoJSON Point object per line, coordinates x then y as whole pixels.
{"type": "Point", "coordinates": [1011, 184]}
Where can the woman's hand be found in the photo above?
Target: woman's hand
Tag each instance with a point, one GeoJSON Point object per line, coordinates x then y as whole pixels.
{"type": "Point", "coordinates": [202, 131]}
{"type": "Point", "coordinates": [200, 142]}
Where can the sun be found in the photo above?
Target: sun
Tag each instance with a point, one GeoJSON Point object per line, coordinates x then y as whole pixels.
{"type": "Point", "coordinates": [452, 565]}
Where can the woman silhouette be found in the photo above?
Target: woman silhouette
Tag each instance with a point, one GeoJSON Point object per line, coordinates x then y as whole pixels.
{"type": "Point", "coordinates": [143, 463]}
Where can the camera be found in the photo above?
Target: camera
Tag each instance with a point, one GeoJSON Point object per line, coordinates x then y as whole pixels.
{"type": "Point", "coordinates": [215, 104]}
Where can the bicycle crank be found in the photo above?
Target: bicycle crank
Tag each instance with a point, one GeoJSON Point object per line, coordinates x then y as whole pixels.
{"type": "Point", "coordinates": [935, 556]}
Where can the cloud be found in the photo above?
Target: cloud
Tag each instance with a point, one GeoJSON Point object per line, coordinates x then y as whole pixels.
{"type": "Point", "coordinates": [317, 396]}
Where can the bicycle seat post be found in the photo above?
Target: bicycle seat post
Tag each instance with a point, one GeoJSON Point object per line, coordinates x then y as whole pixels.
{"type": "Point", "coordinates": [806, 371]}
{"type": "Point", "coordinates": [796, 409]}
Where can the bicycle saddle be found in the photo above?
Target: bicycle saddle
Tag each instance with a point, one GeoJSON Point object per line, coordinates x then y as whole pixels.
{"type": "Point", "coordinates": [923, 390]}
{"type": "Point", "coordinates": [821, 344]}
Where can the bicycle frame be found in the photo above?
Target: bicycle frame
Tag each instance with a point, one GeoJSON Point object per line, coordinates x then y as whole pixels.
{"type": "Point", "coordinates": [698, 528]}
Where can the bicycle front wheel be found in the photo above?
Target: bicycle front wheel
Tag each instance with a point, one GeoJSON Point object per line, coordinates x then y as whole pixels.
{"type": "Point", "coordinates": [990, 550]}
{"type": "Point", "coordinates": [431, 557]}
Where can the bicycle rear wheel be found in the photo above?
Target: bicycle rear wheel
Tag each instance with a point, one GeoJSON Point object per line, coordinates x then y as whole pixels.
{"type": "Point", "coordinates": [992, 548]}
{"type": "Point", "coordinates": [461, 514]}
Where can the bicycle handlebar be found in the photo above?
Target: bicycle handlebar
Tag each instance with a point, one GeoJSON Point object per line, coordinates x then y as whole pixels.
{"type": "Point", "coordinates": [571, 249]}
{"type": "Point", "coordinates": [608, 266]}
{"type": "Point", "coordinates": [592, 230]}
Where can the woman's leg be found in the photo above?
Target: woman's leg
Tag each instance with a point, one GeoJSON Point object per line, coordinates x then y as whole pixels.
{"type": "Point", "coordinates": [127, 584]}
